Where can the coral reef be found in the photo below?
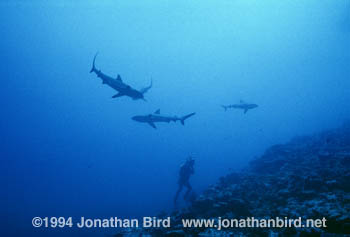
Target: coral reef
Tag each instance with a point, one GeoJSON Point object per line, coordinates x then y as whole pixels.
{"type": "Point", "coordinates": [309, 177]}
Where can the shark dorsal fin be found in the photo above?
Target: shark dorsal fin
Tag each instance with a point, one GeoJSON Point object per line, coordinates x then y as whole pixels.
{"type": "Point", "coordinates": [157, 111]}
{"type": "Point", "coordinates": [119, 78]}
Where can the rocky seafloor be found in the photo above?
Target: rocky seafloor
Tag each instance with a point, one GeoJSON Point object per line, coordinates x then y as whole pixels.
{"type": "Point", "coordinates": [309, 177]}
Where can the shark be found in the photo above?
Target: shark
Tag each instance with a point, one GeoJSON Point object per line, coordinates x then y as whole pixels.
{"type": "Point", "coordinates": [241, 105]}
{"type": "Point", "coordinates": [117, 84]}
{"type": "Point", "coordinates": [156, 117]}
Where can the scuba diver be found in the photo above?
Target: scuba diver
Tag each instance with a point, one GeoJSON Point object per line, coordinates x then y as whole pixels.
{"type": "Point", "coordinates": [186, 171]}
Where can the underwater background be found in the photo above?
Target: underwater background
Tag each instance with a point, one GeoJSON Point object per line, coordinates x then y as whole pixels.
{"type": "Point", "coordinates": [69, 149]}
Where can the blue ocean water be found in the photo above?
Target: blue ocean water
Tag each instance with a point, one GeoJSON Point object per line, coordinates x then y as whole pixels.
{"type": "Point", "coordinates": [69, 149]}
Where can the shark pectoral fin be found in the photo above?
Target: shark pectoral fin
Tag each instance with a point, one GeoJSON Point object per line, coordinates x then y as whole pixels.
{"type": "Point", "coordinates": [245, 110]}
{"type": "Point", "coordinates": [152, 125]}
{"type": "Point", "coordinates": [118, 95]}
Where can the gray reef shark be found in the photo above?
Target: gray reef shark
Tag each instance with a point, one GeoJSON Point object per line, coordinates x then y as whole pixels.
{"type": "Point", "coordinates": [151, 119]}
{"type": "Point", "coordinates": [241, 105]}
{"type": "Point", "coordinates": [118, 85]}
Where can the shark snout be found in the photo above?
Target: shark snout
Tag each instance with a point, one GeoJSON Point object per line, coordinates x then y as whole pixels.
{"type": "Point", "coordinates": [134, 118]}
{"type": "Point", "coordinates": [137, 118]}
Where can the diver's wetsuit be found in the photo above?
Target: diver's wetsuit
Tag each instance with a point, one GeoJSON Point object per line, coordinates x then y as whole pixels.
{"type": "Point", "coordinates": [186, 171]}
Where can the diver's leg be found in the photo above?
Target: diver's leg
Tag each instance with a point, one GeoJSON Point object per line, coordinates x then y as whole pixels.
{"type": "Point", "coordinates": [178, 192]}
{"type": "Point", "coordinates": [189, 189]}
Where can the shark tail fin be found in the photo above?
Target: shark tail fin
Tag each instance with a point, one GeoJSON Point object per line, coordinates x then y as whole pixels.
{"type": "Point", "coordinates": [144, 90]}
{"type": "Point", "coordinates": [93, 69]}
{"type": "Point", "coordinates": [182, 119]}
{"type": "Point", "coordinates": [225, 107]}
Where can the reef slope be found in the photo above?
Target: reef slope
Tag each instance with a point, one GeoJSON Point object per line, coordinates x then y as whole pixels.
{"type": "Point", "coordinates": [309, 177]}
